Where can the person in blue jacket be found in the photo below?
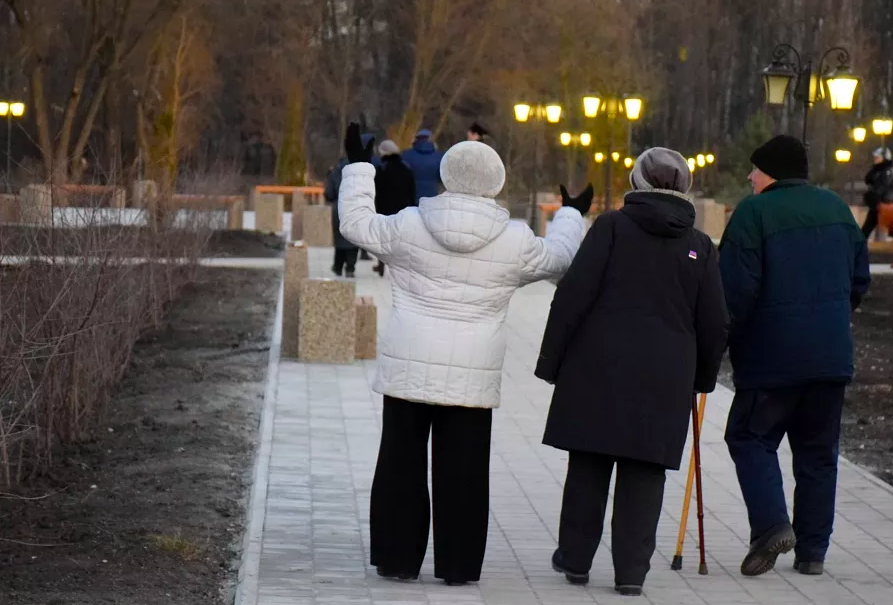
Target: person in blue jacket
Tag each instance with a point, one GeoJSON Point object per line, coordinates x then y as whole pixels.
{"type": "Point", "coordinates": [424, 160]}
{"type": "Point", "coordinates": [794, 267]}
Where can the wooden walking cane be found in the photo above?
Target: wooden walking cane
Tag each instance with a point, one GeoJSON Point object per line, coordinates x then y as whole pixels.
{"type": "Point", "coordinates": [686, 502]}
{"type": "Point", "coordinates": [702, 568]}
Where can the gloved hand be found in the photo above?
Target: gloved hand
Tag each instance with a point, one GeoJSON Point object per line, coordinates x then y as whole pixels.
{"type": "Point", "coordinates": [353, 145]}
{"type": "Point", "coordinates": [582, 202]}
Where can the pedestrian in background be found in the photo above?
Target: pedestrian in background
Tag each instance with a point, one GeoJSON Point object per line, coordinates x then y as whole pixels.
{"type": "Point", "coordinates": [424, 160]}
{"type": "Point", "coordinates": [476, 132]}
{"type": "Point", "coordinates": [880, 187]}
{"type": "Point", "coordinates": [394, 185]}
{"type": "Point", "coordinates": [794, 267]}
{"type": "Point", "coordinates": [346, 253]}
{"type": "Point", "coordinates": [637, 326]}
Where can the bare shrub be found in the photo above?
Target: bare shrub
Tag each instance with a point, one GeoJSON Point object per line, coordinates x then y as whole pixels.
{"type": "Point", "coordinates": [76, 291]}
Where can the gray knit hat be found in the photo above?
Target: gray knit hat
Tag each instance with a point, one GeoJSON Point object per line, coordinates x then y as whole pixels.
{"type": "Point", "coordinates": [661, 168]}
{"type": "Point", "coordinates": [388, 147]}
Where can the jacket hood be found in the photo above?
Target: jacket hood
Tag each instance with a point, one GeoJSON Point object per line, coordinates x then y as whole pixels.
{"type": "Point", "coordinates": [463, 223]}
{"type": "Point", "coordinates": [424, 146]}
{"type": "Point", "coordinates": [666, 214]}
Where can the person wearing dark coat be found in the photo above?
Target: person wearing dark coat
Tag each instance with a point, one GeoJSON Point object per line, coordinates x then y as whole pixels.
{"type": "Point", "coordinates": [346, 254]}
{"type": "Point", "coordinates": [637, 326]}
{"type": "Point", "coordinates": [424, 160]}
{"type": "Point", "coordinates": [794, 267]}
{"type": "Point", "coordinates": [476, 132]}
{"type": "Point", "coordinates": [394, 185]}
{"type": "Point", "coordinates": [880, 187]}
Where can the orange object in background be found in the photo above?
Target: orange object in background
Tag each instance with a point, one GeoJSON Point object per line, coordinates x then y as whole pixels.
{"type": "Point", "coordinates": [885, 217]}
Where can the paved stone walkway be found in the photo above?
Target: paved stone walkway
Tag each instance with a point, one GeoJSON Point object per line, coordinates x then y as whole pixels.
{"type": "Point", "coordinates": [313, 499]}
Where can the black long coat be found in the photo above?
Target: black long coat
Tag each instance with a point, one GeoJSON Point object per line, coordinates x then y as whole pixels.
{"type": "Point", "coordinates": [394, 185]}
{"type": "Point", "coordinates": [638, 324]}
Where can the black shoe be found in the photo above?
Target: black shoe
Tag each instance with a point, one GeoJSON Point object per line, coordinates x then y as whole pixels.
{"type": "Point", "coordinates": [455, 582]}
{"type": "Point", "coordinates": [628, 590]}
{"type": "Point", "coordinates": [350, 275]}
{"type": "Point", "coordinates": [765, 550]}
{"type": "Point", "coordinates": [380, 269]}
{"type": "Point", "coordinates": [809, 568]}
{"type": "Point", "coordinates": [574, 577]}
{"type": "Point", "coordinates": [390, 574]}
{"type": "Point", "coordinates": [336, 271]}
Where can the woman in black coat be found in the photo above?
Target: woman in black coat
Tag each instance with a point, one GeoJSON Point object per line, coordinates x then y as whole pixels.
{"type": "Point", "coordinates": [394, 185]}
{"type": "Point", "coordinates": [637, 326]}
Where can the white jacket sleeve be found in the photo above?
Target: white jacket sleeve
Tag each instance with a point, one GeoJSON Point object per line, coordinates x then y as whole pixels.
{"type": "Point", "coordinates": [549, 257]}
{"type": "Point", "coordinates": [360, 224]}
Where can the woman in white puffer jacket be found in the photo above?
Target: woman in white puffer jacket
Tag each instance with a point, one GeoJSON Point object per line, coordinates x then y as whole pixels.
{"type": "Point", "coordinates": [455, 262]}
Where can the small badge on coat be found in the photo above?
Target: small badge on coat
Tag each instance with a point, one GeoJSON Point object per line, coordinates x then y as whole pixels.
{"type": "Point", "coordinates": [692, 255]}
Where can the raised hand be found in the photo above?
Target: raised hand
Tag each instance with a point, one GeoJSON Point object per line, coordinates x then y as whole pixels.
{"type": "Point", "coordinates": [353, 145]}
{"type": "Point", "coordinates": [582, 202]}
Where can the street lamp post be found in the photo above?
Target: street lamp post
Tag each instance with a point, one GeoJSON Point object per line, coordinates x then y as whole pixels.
{"type": "Point", "coordinates": [811, 84]}
{"type": "Point", "coordinates": [630, 107]}
{"type": "Point", "coordinates": [883, 128]}
{"type": "Point", "coordinates": [843, 157]}
{"type": "Point", "coordinates": [539, 114]}
{"type": "Point", "coordinates": [10, 110]}
{"type": "Point", "coordinates": [569, 141]}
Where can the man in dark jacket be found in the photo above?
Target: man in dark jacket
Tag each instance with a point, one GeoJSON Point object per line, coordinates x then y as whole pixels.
{"type": "Point", "coordinates": [880, 187]}
{"type": "Point", "coordinates": [424, 160]}
{"type": "Point", "coordinates": [394, 185]}
{"type": "Point", "coordinates": [794, 267]}
{"type": "Point", "coordinates": [638, 324]}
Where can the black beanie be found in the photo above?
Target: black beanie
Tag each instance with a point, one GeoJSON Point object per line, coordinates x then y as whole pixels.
{"type": "Point", "coordinates": [783, 157]}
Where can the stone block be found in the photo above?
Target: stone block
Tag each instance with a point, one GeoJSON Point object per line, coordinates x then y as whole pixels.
{"type": "Point", "coordinates": [36, 204]}
{"type": "Point", "coordinates": [299, 201]}
{"type": "Point", "coordinates": [9, 209]}
{"type": "Point", "coordinates": [710, 217]}
{"type": "Point", "coordinates": [327, 321]}
{"type": "Point", "coordinates": [367, 327]}
{"type": "Point", "coordinates": [318, 226]}
{"type": "Point", "coordinates": [142, 193]}
{"type": "Point", "coordinates": [297, 269]}
{"type": "Point", "coordinates": [268, 210]}
{"type": "Point", "coordinates": [235, 212]}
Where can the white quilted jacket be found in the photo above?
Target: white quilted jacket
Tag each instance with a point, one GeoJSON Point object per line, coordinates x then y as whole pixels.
{"type": "Point", "coordinates": [455, 262]}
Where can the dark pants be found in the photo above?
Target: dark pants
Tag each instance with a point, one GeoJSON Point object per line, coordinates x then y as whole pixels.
{"type": "Point", "coordinates": [346, 258]}
{"type": "Point", "coordinates": [810, 416]}
{"type": "Point", "coordinates": [871, 221]}
{"type": "Point", "coordinates": [638, 498]}
{"type": "Point", "coordinates": [460, 474]}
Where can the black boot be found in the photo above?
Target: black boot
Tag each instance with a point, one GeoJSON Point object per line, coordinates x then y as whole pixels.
{"type": "Point", "coordinates": [765, 550]}
{"type": "Point", "coordinates": [573, 576]}
{"type": "Point", "coordinates": [390, 574]}
{"type": "Point", "coordinates": [809, 568]}
{"type": "Point", "coordinates": [628, 590]}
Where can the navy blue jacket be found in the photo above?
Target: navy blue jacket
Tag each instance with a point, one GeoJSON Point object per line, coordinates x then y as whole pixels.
{"type": "Point", "coordinates": [794, 266]}
{"type": "Point", "coordinates": [424, 159]}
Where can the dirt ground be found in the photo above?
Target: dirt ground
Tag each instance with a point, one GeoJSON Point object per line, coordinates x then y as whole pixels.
{"type": "Point", "coordinates": [152, 510]}
{"type": "Point", "coordinates": [22, 240]}
{"type": "Point", "coordinates": [867, 433]}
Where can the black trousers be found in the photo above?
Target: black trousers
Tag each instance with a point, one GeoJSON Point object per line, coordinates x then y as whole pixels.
{"type": "Point", "coordinates": [346, 258]}
{"type": "Point", "coordinates": [638, 498]}
{"type": "Point", "coordinates": [400, 512]}
{"type": "Point", "coordinates": [871, 221]}
{"type": "Point", "coordinates": [810, 416]}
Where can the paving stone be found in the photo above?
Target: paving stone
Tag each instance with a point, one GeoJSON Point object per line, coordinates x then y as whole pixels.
{"type": "Point", "coordinates": [327, 428]}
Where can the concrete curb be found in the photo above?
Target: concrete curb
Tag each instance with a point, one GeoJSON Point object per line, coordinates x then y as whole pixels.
{"type": "Point", "coordinates": [249, 569]}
